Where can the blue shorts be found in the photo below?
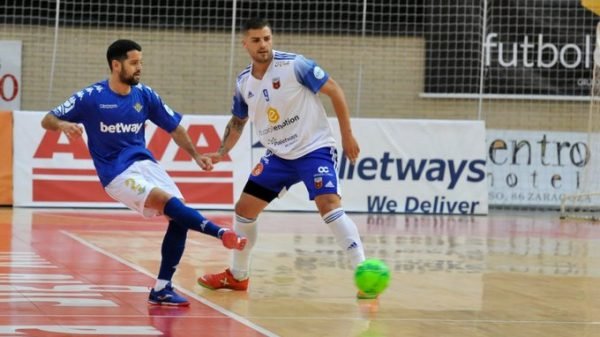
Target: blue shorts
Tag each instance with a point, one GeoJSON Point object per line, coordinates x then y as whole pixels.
{"type": "Point", "coordinates": [317, 169]}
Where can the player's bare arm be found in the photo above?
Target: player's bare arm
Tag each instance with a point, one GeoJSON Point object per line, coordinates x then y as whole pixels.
{"type": "Point", "coordinates": [338, 100]}
{"type": "Point", "coordinates": [182, 139]}
{"type": "Point", "coordinates": [71, 130]}
{"type": "Point", "coordinates": [233, 132]}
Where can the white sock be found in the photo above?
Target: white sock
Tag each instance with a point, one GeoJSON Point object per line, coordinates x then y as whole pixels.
{"type": "Point", "coordinates": [160, 285]}
{"type": "Point", "coordinates": [346, 235]}
{"type": "Point", "coordinates": [240, 261]}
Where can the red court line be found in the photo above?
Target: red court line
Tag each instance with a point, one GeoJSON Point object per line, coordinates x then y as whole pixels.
{"type": "Point", "coordinates": [73, 221]}
{"type": "Point", "coordinates": [87, 307]}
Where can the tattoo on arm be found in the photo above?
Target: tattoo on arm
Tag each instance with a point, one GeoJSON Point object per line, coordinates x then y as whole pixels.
{"type": "Point", "coordinates": [234, 129]}
{"type": "Point", "coordinates": [222, 149]}
{"type": "Point", "coordinates": [238, 124]}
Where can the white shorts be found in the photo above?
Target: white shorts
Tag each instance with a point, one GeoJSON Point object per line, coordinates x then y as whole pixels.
{"type": "Point", "coordinates": [133, 186]}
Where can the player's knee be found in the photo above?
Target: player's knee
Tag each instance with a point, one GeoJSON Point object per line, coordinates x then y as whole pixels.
{"type": "Point", "coordinates": [327, 203]}
{"type": "Point", "coordinates": [157, 199]}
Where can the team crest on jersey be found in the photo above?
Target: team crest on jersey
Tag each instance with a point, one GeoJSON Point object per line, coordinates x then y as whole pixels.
{"type": "Point", "coordinates": [318, 182]}
{"type": "Point", "coordinates": [276, 83]}
{"type": "Point", "coordinates": [257, 170]}
{"type": "Point", "coordinates": [138, 107]}
{"type": "Point", "coordinates": [273, 115]}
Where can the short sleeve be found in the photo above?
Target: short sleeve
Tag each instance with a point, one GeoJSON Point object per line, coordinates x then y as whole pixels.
{"type": "Point", "coordinates": [72, 109]}
{"type": "Point", "coordinates": [239, 108]}
{"type": "Point", "coordinates": [160, 113]}
{"type": "Point", "coordinates": [309, 74]}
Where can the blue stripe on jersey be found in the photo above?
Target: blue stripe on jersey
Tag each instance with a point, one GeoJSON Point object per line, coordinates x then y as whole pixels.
{"type": "Point", "coordinates": [244, 72]}
{"type": "Point", "coordinates": [279, 55]}
{"type": "Point", "coordinates": [281, 58]}
{"type": "Point", "coordinates": [285, 57]}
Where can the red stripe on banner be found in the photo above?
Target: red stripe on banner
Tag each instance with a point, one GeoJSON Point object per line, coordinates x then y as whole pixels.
{"type": "Point", "coordinates": [207, 193]}
{"type": "Point", "coordinates": [59, 171]}
{"type": "Point", "coordinates": [212, 174]}
{"type": "Point", "coordinates": [88, 172]}
{"type": "Point", "coordinates": [92, 191]}
{"type": "Point", "coordinates": [66, 190]}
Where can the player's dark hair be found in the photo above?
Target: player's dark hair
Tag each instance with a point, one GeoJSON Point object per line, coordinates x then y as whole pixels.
{"type": "Point", "coordinates": [256, 23]}
{"type": "Point", "coordinates": [118, 50]}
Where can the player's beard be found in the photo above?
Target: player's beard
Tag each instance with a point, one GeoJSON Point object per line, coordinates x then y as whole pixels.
{"type": "Point", "coordinates": [263, 57]}
{"type": "Point", "coordinates": [128, 79]}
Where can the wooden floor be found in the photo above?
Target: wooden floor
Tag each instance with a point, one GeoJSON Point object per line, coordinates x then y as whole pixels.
{"type": "Point", "coordinates": [87, 272]}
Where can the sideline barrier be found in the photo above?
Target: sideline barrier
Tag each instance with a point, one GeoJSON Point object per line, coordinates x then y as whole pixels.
{"type": "Point", "coordinates": [52, 171]}
{"type": "Point", "coordinates": [405, 166]}
{"type": "Point", "coordinates": [6, 158]}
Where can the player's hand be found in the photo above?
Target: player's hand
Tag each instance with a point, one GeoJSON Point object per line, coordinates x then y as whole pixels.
{"type": "Point", "coordinates": [204, 162]}
{"type": "Point", "coordinates": [351, 148]}
{"type": "Point", "coordinates": [71, 130]}
{"type": "Point", "coordinates": [215, 156]}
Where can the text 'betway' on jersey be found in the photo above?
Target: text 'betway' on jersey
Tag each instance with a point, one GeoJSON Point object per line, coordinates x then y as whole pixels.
{"type": "Point", "coordinates": [121, 128]}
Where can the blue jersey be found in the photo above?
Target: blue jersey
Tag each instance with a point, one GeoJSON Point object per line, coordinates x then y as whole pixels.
{"type": "Point", "coordinates": [115, 124]}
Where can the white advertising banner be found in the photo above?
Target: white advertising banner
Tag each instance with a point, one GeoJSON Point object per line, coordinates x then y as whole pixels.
{"type": "Point", "coordinates": [10, 75]}
{"type": "Point", "coordinates": [407, 166]}
{"type": "Point", "coordinates": [534, 168]}
{"type": "Point", "coordinates": [51, 170]}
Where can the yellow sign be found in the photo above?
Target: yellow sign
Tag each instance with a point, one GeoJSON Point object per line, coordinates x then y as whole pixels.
{"type": "Point", "coordinates": [592, 5]}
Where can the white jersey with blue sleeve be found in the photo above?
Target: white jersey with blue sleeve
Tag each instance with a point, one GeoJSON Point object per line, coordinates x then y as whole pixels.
{"type": "Point", "coordinates": [288, 116]}
{"type": "Point", "coordinates": [115, 124]}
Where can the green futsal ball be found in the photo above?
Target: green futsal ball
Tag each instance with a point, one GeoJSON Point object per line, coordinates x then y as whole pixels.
{"type": "Point", "coordinates": [372, 276]}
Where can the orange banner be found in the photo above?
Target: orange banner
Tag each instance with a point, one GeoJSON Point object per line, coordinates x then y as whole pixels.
{"type": "Point", "coordinates": [6, 158]}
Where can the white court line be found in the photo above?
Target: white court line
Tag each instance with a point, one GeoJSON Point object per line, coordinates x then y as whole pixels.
{"type": "Point", "coordinates": [267, 333]}
{"type": "Point", "coordinates": [204, 301]}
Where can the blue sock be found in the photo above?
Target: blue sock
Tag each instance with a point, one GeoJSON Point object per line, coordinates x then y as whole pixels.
{"type": "Point", "coordinates": [190, 218]}
{"type": "Point", "coordinates": [172, 250]}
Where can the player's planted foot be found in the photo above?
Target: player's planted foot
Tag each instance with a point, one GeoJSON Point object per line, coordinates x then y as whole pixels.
{"type": "Point", "coordinates": [167, 296]}
{"type": "Point", "coordinates": [224, 280]}
{"type": "Point", "coordinates": [231, 240]}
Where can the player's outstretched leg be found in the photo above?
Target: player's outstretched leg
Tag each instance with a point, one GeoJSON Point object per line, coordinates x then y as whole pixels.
{"type": "Point", "coordinates": [192, 219]}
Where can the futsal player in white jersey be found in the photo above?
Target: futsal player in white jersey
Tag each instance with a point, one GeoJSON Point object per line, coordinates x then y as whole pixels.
{"type": "Point", "coordinates": [278, 93]}
{"type": "Point", "coordinates": [113, 113]}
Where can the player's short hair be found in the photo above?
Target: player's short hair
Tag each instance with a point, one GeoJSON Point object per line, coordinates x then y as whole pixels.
{"type": "Point", "coordinates": [256, 23]}
{"type": "Point", "coordinates": [118, 50]}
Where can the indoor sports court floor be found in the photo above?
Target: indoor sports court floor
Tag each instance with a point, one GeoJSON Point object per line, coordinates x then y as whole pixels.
{"type": "Point", "coordinates": [87, 272]}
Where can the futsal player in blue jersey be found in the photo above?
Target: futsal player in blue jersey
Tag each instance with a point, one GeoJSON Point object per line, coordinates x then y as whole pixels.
{"type": "Point", "coordinates": [278, 93]}
{"type": "Point", "coordinates": [113, 113]}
